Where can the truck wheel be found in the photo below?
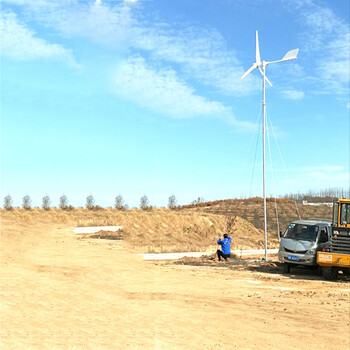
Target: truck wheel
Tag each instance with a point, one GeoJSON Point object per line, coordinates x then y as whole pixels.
{"type": "Point", "coordinates": [329, 273]}
{"type": "Point", "coordinates": [286, 268]}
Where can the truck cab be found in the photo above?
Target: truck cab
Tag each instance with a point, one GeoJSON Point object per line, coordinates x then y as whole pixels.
{"type": "Point", "coordinates": [302, 240]}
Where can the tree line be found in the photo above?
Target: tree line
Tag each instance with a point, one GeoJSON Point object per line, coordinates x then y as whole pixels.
{"type": "Point", "coordinates": [321, 196]}
{"type": "Point", "coordinates": [324, 195]}
{"type": "Point", "coordinates": [90, 204]}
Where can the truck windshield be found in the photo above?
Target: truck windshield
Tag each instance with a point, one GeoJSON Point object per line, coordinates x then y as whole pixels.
{"type": "Point", "coordinates": [301, 232]}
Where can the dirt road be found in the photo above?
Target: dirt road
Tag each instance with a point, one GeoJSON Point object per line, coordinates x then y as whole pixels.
{"type": "Point", "coordinates": [59, 292]}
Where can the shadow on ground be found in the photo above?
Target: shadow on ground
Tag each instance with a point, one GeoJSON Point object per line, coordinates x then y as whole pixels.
{"type": "Point", "coordinates": [261, 266]}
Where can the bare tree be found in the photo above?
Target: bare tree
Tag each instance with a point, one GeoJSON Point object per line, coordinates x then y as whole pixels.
{"type": "Point", "coordinates": [63, 202]}
{"type": "Point", "coordinates": [46, 203]}
{"type": "Point", "coordinates": [8, 202]}
{"type": "Point", "coordinates": [90, 202]}
{"type": "Point", "coordinates": [119, 203]}
{"type": "Point", "coordinates": [27, 203]}
{"type": "Point", "coordinates": [172, 202]}
{"type": "Point", "coordinates": [229, 223]}
{"type": "Point", "coordinates": [144, 203]}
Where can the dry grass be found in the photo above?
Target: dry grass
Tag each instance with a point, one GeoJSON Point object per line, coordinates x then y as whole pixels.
{"type": "Point", "coordinates": [158, 230]}
{"type": "Point", "coordinates": [287, 210]}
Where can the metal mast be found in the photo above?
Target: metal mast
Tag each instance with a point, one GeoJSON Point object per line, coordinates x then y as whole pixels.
{"type": "Point", "coordinates": [264, 180]}
{"type": "Point", "coordinates": [261, 65]}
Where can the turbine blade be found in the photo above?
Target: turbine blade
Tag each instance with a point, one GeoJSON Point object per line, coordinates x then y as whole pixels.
{"type": "Point", "coordinates": [268, 80]}
{"type": "Point", "coordinates": [249, 70]}
{"type": "Point", "coordinates": [257, 51]}
{"type": "Point", "coordinates": [265, 76]}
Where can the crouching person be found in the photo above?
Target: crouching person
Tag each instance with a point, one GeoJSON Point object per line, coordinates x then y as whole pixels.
{"type": "Point", "coordinates": [225, 251]}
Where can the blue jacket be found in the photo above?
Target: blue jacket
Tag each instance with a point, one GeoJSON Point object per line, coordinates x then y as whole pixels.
{"type": "Point", "coordinates": [225, 245]}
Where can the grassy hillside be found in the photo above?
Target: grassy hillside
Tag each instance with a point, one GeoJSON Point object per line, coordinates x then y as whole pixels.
{"type": "Point", "coordinates": [252, 209]}
{"type": "Point", "coordinates": [191, 228]}
{"type": "Point", "coordinates": [158, 230]}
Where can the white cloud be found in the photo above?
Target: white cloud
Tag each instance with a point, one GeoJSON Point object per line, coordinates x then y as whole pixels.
{"type": "Point", "coordinates": [327, 43]}
{"type": "Point", "coordinates": [102, 24]}
{"type": "Point", "coordinates": [334, 68]}
{"type": "Point", "coordinates": [19, 43]}
{"type": "Point", "coordinates": [201, 54]}
{"type": "Point", "coordinates": [198, 53]}
{"type": "Point", "coordinates": [162, 91]}
{"type": "Point", "coordinates": [321, 19]}
{"type": "Point", "coordinates": [293, 94]}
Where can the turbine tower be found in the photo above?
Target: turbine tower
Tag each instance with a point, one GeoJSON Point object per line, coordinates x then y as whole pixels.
{"type": "Point", "coordinates": [261, 65]}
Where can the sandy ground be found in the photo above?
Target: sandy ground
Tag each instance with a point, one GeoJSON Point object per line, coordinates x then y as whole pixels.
{"type": "Point", "coordinates": [60, 292]}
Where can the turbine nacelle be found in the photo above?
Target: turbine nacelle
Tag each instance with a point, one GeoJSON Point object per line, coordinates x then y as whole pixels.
{"type": "Point", "coordinates": [290, 55]}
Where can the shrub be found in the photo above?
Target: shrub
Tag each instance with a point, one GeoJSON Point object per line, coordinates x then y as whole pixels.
{"type": "Point", "coordinates": [229, 223]}
{"type": "Point", "coordinates": [199, 200]}
{"type": "Point", "coordinates": [27, 203]}
{"type": "Point", "coordinates": [96, 208]}
{"type": "Point", "coordinates": [8, 202]}
{"type": "Point", "coordinates": [46, 203]}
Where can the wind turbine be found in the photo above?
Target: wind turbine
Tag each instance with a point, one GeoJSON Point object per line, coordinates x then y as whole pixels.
{"type": "Point", "coordinates": [261, 65]}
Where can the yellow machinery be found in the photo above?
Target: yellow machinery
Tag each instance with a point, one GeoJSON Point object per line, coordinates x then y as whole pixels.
{"type": "Point", "coordinates": [336, 257]}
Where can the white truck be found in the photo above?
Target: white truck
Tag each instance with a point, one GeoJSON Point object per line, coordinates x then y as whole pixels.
{"type": "Point", "coordinates": [301, 241]}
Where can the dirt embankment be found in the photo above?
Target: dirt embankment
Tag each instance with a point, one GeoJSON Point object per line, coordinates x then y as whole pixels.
{"type": "Point", "coordinates": [158, 230]}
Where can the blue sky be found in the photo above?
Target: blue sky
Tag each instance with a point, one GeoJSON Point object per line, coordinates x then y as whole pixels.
{"type": "Point", "coordinates": [145, 98]}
